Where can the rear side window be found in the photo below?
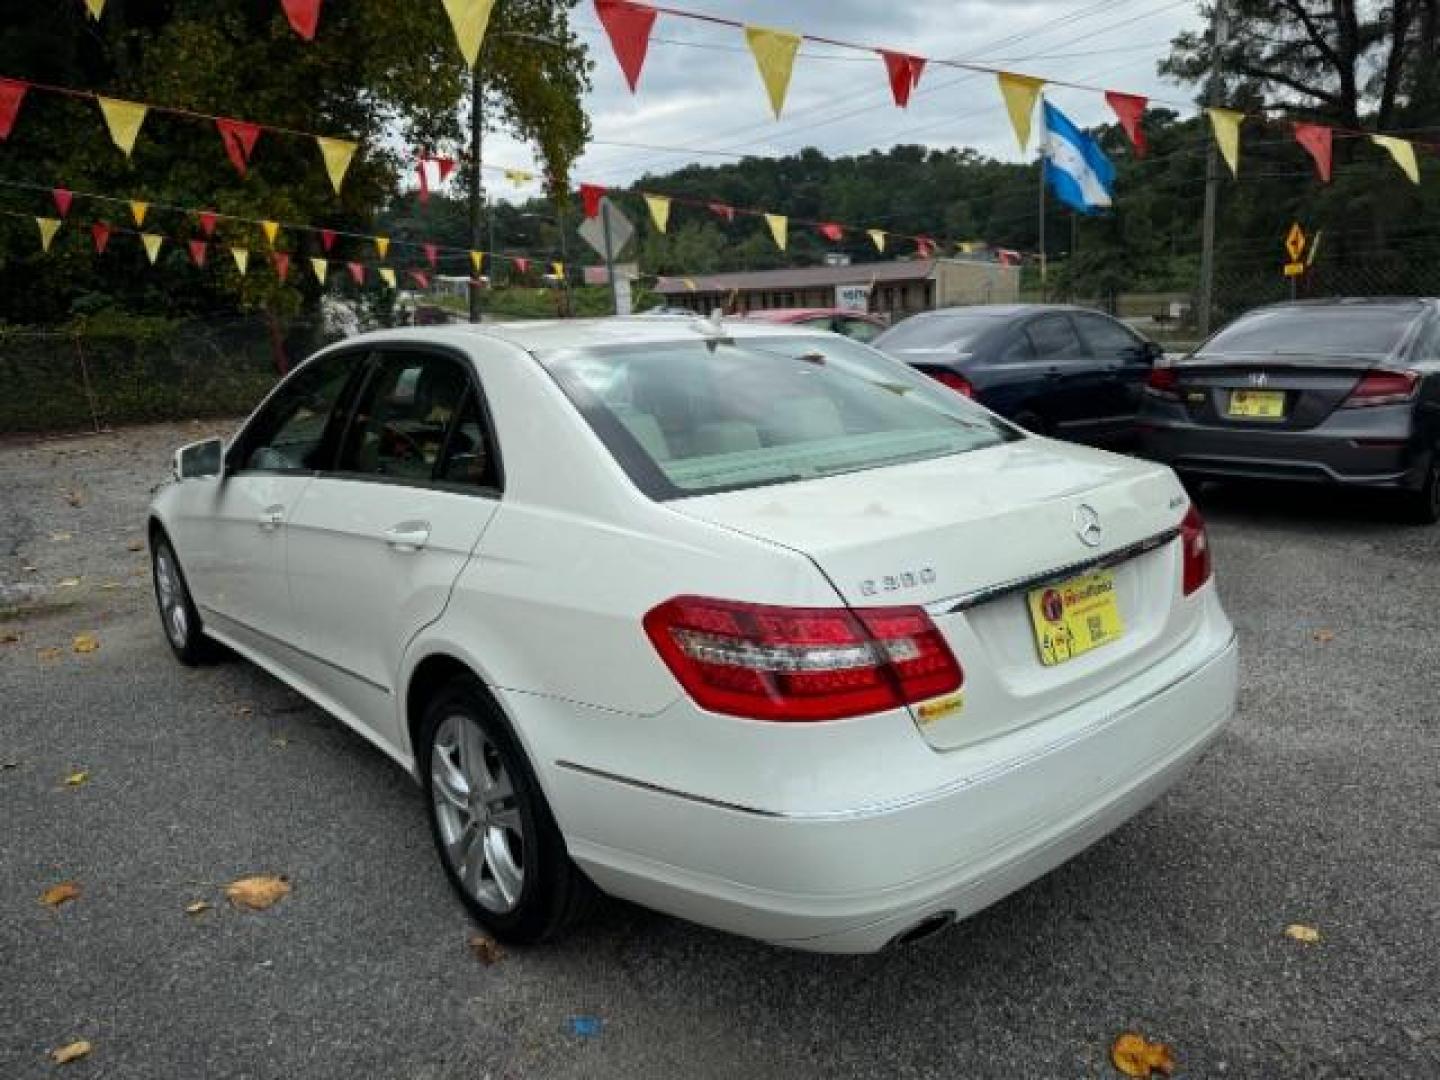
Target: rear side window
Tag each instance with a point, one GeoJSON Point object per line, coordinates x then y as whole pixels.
{"type": "Point", "coordinates": [1053, 337]}
{"type": "Point", "coordinates": [1301, 331]}
{"type": "Point", "coordinates": [938, 331]}
{"type": "Point", "coordinates": [859, 329]}
{"type": "Point", "coordinates": [296, 429]}
{"type": "Point", "coordinates": [691, 417]}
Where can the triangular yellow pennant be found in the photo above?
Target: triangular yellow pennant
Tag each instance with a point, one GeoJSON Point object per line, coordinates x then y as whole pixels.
{"type": "Point", "coordinates": [382, 245]}
{"type": "Point", "coordinates": [659, 211]}
{"type": "Point", "coordinates": [559, 269]}
{"type": "Point", "coordinates": [271, 229]}
{"type": "Point", "coordinates": [1020, 92]}
{"type": "Point", "coordinates": [1403, 153]}
{"type": "Point", "coordinates": [337, 154]}
{"type": "Point", "coordinates": [387, 275]}
{"type": "Point", "coordinates": [242, 259]}
{"type": "Point", "coordinates": [877, 237]}
{"type": "Point", "coordinates": [469, 18]}
{"type": "Point", "coordinates": [1226, 123]}
{"type": "Point", "coordinates": [779, 228]}
{"type": "Point", "coordinates": [690, 284]}
{"type": "Point", "coordinates": [320, 267]}
{"type": "Point", "coordinates": [519, 176]}
{"type": "Point", "coordinates": [774, 52]}
{"type": "Point", "coordinates": [124, 119]}
{"type": "Point", "coordinates": [152, 244]}
{"type": "Point", "coordinates": [96, 8]}
{"type": "Point", "coordinates": [49, 226]}
{"type": "Point", "coordinates": [477, 260]}
{"type": "Point", "coordinates": [138, 210]}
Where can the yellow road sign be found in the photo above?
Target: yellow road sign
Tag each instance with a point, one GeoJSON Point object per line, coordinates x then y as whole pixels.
{"type": "Point", "coordinates": [1294, 269]}
{"type": "Point", "coordinates": [1295, 241]}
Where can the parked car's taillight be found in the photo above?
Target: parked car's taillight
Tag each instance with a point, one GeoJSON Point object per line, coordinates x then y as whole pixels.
{"type": "Point", "coordinates": [784, 663]}
{"type": "Point", "coordinates": [1195, 551]}
{"type": "Point", "coordinates": [1382, 388]}
{"type": "Point", "coordinates": [1164, 382]}
{"type": "Point", "coordinates": [958, 383]}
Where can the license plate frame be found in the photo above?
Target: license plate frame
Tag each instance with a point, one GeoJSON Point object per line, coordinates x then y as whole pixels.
{"type": "Point", "coordinates": [1075, 616]}
{"type": "Point", "coordinates": [1256, 405]}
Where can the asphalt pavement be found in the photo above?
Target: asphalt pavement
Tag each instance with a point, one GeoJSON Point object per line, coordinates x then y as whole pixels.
{"type": "Point", "coordinates": [1318, 807]}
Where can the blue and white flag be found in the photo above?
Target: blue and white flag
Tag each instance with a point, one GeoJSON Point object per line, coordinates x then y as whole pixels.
{"type": "Point", "coordinates": [1077, 170]}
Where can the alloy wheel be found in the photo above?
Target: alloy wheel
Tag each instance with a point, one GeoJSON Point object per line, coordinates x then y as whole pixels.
{"type": "Point", "coordinates": [171, 594]}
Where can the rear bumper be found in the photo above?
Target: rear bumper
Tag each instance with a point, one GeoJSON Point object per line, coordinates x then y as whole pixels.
{"type": "Point", "coordinates": [1372, 448]}
{"type": "Point", "coordinates": [851, 880]}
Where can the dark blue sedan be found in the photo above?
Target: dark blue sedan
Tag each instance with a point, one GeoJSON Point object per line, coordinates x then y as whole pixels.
{"type": "Point", "coordinates": [1054, 370]}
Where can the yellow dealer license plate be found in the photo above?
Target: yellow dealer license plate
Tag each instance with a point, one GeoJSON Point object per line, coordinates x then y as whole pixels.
{"type": "Point", "coordinates": [1072, 617]}
{"type": "Point", "coordinates": [1258, 404]}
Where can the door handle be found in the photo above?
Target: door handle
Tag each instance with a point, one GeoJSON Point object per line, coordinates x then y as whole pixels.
{"type": "Point", "coordinates": [408, 535]}
{"type": "Point", "coordinates": [1053, 373]}
{"type": "Point", "coordinates": [272, 517]}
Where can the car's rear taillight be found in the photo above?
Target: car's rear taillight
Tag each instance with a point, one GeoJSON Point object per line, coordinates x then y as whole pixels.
{"type": "Point", "coordinates": [1194, 551]}
{"type": "Point", "coordinates": [1382, 388]}
{"type": "Point", "coordinates": [1163, 382]}
{"type": "Point", "coordinates": [958, 383]}
{"type": "Point", "coordinates": [783, 663]}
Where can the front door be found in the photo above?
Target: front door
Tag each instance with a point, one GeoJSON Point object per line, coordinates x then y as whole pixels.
{"type": "Point", "coordinates": [376, 545]}
{"type": "Point", "coordinates": [1074, 393]}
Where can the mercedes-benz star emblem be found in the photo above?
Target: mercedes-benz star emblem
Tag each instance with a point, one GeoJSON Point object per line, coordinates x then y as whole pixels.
{"type": "Point", "coordinates": [1087, 525]}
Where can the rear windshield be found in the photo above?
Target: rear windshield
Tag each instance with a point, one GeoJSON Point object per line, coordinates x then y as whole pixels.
{"type": "Point", "coordinates": [937, 332]}
{"type": "Point", "coordinates": [1319, 332]}
{"type": "Point", "coordinates": [695, 417]}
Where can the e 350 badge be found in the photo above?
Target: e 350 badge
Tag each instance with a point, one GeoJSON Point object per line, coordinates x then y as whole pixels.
{"type": "Point", "coordinates": [907, 579]}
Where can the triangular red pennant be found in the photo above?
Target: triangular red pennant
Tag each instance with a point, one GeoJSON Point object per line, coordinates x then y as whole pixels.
{"type": "Point", "coordinates": [904, 71]}
{"type": "Point", "coordinates": [523, 265]}
{"type": "Point", "coordinates": [590, 196]}
{"type": "Point", "coordinates": [198, 251]}
{"type": "Point", "coordinates": [357, 272]}
{"type": "Point", "coordinates": [432, 255]}
{"type": "Point", "coordinates": [924, 246]}
{"type": "Point", "coordinates": [446, 166]}
{"type": "Point", "coordinates": [722, 210]}
{"type": "Point", "coordinates": [239, 139]}
{"type": "Point", "coordinates": [1316, 138]}
{"type": "Point", "coordinates": [304, 16]}
{"type": "Point", "coordinates": [832, 232]}
{"type": "Point", "coordinates": [628, 26]}
{"type": "Point", "coordinates": [420, 278]}
{"type": "Point", "coordinates": [207, 222]}
{"type": "Point", "coordinates": [1130, 108]}
{"type": "Point", "coordinates": [281, 259]}
{"type": "Point", "coordinates": [327, 238]}
{"type": "Point", "coordinates": [100, 233]}
{"type": "Point", "coordinates": [62, 199]}
{"type": "Point", "coordinates": [12, 93]}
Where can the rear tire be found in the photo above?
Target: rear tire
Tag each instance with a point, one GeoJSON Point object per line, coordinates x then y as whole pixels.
{"type": "Point", "coordinates": [492, 827]}
{"type": "Point", "coordinates": [178, 616]}
{"type": "Point", "coordinates": [1422, 506]}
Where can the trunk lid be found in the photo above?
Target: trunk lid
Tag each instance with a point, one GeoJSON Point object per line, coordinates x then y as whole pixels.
{"type": "Point", "coordinates": [969, 536]}
{"type": "Point", "coordinates": [1309, 389]}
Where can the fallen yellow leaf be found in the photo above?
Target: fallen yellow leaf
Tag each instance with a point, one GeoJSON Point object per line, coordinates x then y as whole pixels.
{"type": "Point", "coordinates": [75, 497]}
{"type": "Point", "coordinates": [486, 949]}
{"type": "Point", "coordinates": [59, 538]}
{"type": "Point", "coordinates": [84, 643]}
{"type": "Point", "coordinates": [75, 779]}
{"type": "Point", "coordinates": [258, 892]}
{"type": "Point", "coordinates": [1135, 1055]}
{"type": "Point", "coordinates": [60, 894]}
{"type": "Point", "coordinates": [1324, 637]}
{"type": "Point", "coordinates": [74, 1052]}
{"type": "Point", "coordinates": [1301, 932]}
{"type": "Point", "coordinates": [47, 655]}
{"type": "Point", "coordinates": [8, 637]}
{"type": "Point", "coordinates": [136, 545]}
{"type": "Point", "coordinates": [110, 585]}
{"type": "Point", "coordinates": [198, 907]}
{"type": "Point", "coordinates": [67, 583]}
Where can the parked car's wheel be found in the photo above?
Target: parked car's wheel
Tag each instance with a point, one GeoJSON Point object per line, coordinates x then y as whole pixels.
{"type": "Point", "coordinates": [495, 834]}
{"type": "Point", "coordinates": [178, 616]}
{"type": "Point", "coordinates": [1422, 506]}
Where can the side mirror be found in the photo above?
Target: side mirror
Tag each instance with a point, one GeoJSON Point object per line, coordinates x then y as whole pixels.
{"type": "Point", "coordinates": [1152, 352]}
{"type": "Point", "coordinates": [200, 459]}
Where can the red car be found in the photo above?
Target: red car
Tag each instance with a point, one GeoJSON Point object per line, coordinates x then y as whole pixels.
{"type": "Point", "coordinates": [860, 325]}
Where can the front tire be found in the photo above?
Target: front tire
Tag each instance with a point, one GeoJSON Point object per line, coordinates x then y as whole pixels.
{"type": "Point", "coordinates": [178, 615]}
{"type": "Point", "coordinates": [493, 830]}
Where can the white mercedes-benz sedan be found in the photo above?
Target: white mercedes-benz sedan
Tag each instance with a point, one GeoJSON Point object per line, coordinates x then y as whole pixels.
{"type": "Point", "coordinates": [748, 624]}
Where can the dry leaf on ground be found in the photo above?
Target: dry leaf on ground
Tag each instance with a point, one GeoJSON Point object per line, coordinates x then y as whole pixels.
{"type": "Point", "coordinates": [486, 949]}
{"type": "Point", "coordinates": [1324, 637]}
{"type": "Point", "coordinates": [245, 710]}
{"type": "Point", "coordinates": [75, 779]}
{"type": "Point", "coordinates": [60, 894]}
{"type": "Point", "coordinates": [110, 585]}
{"type": "Point", "coordinates": [198, 907]}
{"type": "Point", "coordinates": [85, 643]}
{"type": "Point", "coordinates": [59, 538]}
{"type": "Point", "coordinates": [75, 497]}
{"type": "Point", "coordinates": [1135, 1055]}
{"type": "Point", "coordinates": [47, 655]}
{"type": "Point", "coordinates": [135, 545]}
{"type": "Point", "coordinates": [258, 892]}
{"type": "Point", "coordinates": [67, 583]}
{"type": "Point", "coordinates": [9, 637]}
{"type": "Point", "coordinates": [1301, 932]}
{"type": "Point", "coordinates": [74, 1052]}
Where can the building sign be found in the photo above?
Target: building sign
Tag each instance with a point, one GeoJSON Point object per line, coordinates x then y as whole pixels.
{"type": "Point", "coordinates": [852, 297]}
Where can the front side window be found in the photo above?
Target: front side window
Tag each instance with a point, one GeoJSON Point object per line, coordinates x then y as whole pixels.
{"type": "Point", "coordinates": [1053, 337]}
{"type": "Point", "coordinates": [859, 329]}
{"type": "Point", "coordinates": [692, 417]}
{"type": "Point", "coordinates": [1106, 337]}
{"type": "Point", "coordinates": [404, 416]}
{"type": "Point", "coordinates": [296, 429]}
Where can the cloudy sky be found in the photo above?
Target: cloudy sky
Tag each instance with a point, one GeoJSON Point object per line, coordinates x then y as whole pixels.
{"type": "Point", "coordinates": [704, 98]}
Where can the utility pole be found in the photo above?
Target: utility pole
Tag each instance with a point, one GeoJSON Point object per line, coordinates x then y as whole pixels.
{"type": "Point", "coordinates": [1041, 163]}
{"type": "Point", "coordinates": [1220, 33]}
{"type": "Point", "coordinates": [477, 126]}
{"type": "Point", "coordinates": [609, 253]}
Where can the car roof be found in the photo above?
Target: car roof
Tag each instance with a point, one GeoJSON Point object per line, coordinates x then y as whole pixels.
{"type": "Point", "coordinates": [999, 310]}
{"type": "Point", "coordinates": [789, 313]}
{"type": "Point", "coordinates": [1408, 304]}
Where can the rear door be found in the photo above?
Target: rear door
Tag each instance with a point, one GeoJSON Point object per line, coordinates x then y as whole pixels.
{"type": "Point", "coordinates": [377, 543]}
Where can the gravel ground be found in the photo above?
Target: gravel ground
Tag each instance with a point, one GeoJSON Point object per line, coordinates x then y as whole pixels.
{"type": "Point", "coordinates": [1318, 807]}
